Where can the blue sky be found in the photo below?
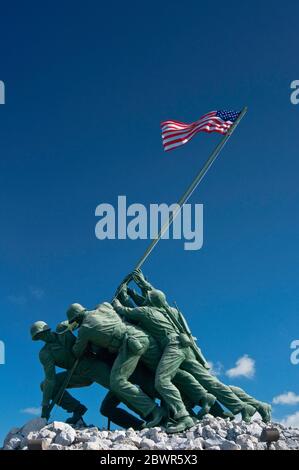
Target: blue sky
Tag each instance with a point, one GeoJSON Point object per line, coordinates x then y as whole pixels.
{"type": "Point", "coordinates": [87, 85]}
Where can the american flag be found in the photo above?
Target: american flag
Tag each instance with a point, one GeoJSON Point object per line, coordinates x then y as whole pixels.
{"type": "Point", "coordinates": [176, 133]}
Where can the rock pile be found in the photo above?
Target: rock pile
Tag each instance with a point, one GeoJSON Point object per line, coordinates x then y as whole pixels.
{"type": "Point", "coordinates": [211, 434]}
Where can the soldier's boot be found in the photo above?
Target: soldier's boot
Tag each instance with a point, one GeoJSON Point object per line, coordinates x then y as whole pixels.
{"type": "Point", "coordinates": [194, 416]}
{"type": "Point", "coordinates": [228, 415]}
{"type": "Point", "coordinates": [181, 425]}
{"type": "Point", "coordinates": [217, 411]}
{"type": "Point", "coordinates": [265, 411]}
{"type": "Point", "coordinates": [155, 417]}
{"type": "Point", "coordinates": [247, 412]}
{"type": "Point", "coordinates": [77, 414]}
{"type": "Point", "coordinates": [206, 404]}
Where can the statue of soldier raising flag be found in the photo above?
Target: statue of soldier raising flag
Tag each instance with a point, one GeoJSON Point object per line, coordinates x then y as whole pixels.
{"type": "Point", "coordinates": [139, 347]}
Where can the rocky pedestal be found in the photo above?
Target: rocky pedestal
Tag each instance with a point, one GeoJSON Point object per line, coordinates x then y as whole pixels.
{"type": "Point", "coordinates": [211, 434]}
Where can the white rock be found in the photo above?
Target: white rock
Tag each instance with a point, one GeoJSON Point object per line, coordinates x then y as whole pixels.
{"type": "Point", "coordinates": [156, 434]}
{"type": "Point", "coordinates": [33, 425]}
{"type": "Point", "coordinates": [57, 427]}
{"type": "Point", "coordinates": [33, 435]}
{"type": "Point", "coordinates": [222, 433]}
{"type": "Point", "coordinates": [208, 432]}
{"type": "Point", "coordinates": [46, 434]}
{"type": "Point", "coordinates": [292, 444]}
{"type": "Point", "coordinates": [127, 441]}
{"type": "Point", "coordinates": [177, 441]}
{"type": "Point", "coordinates": [229, 445]}
{"type": "Point", "coordinates": [82, 437]}
{"type": "Point", "coordinates": [124, 447]}
{"type": "Point", "coordinates": [198, 431]}
{"type": "Point", "coordinates": [135, 440]}
{"type": "Point", "coordinates": [117, 435]}
{"type": "Point", "coordinates": [231, 435]}
{"type": "Point", "coordinates": [13, 443]}
{"type": "Point", "coordinates": [280, 445]}
{"type": "Point", "coordinates": [147, 443]}
{"type": "Point", "coordinates": [254, 429]}
{"type": "Point", "coordinates": [246, 441]}
{"type": "Point", "coordinates": [66, 438]}
{"type": "Point", "coordinates": [211, 434]}
{"type": "Point", "coordinates": [91, 446]}
{"type": "Point", "coordinates": [56, 447]}
{"type": "Point", "coordinates": [260, 446]}
{"type": "Point", "coordinates": [212, 442]}
{"type": "Point", "coordinates": [163, 446]}
{"type": "Point", "coordinates": [196, 444]}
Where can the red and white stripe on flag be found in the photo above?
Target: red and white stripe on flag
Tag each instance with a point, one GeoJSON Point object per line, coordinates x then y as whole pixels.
{"type": "Point", "coordinates": [176, 133]}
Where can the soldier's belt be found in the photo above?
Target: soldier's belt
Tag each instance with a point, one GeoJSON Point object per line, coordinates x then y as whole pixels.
{"type": "Point", "coordinates": [117, 337]}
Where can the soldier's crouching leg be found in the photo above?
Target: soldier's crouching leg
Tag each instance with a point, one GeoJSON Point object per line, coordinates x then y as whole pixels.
{"type": "Point", "coordinates": [122, 369]}
{"type": "Point", "coordinates": [67, 402]}
{"type": "Point", "coordinates": [167, 369]}
{"type": "Point", "coordinates": [117, 415]}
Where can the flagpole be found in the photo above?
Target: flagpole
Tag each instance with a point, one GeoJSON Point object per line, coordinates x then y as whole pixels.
{"type": "Point", "coordinates": [187, 194]}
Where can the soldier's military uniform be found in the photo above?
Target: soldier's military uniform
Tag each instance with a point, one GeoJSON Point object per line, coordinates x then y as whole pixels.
{"type": "Point", "coordinates": [57, 352]}
{"type": "Point", "coordinates": [177, 353]}
{"type": "Point", "coordinates": [104, 328]}
{"type": "Point", "coordinates": [264, 409]}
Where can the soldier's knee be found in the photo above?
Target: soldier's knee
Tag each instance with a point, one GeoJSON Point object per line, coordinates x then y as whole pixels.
{"type": "Point", "coordinates": [117, 383]}
{"type": "Point", "coordinates": [161, 383]}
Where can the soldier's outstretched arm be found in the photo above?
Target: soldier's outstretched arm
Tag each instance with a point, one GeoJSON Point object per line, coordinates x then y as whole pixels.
{"type": "Point", "coordinates": [123, 296]}
{"type": "Point", "coordinates": [141, 282]}
{"type": "Point", "coordinates": [130, 313]}
{"type": "Point", "coordinates": [137, 298]}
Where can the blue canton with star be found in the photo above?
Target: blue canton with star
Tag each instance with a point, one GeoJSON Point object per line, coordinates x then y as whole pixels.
{"type": "Point", "coordinates": [227, 115]}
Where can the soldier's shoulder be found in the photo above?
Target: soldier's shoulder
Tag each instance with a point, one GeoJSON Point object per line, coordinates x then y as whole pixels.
{"type": "Point", "coordinates": [104, 306]}
{"type": "Point", "coordinates": [44, 353]}
{"type": "Point", "coordinates": [146, 309]}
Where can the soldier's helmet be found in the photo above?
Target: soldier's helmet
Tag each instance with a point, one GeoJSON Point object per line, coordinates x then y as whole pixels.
{"type": "Point", "coordinates": [74, 311]}
{"type": "Point", "coordinates": [157, 298]}
{"type": "Point", "coordinates": [62, 327]}
{"type": "Point", "coordinates": [37, 328]}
